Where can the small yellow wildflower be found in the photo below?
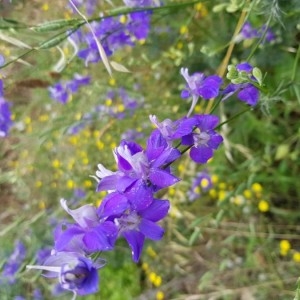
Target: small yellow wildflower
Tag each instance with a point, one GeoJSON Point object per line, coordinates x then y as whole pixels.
{"type": "Point", "coordinates": [42, 205]}
{"type": "Point", "coordinates": [256, 187]}
{"type": "Point", "coordinates": [160, 295]}
{"type": "Point", "coordinates": [120, 107]}
{"type": "Point", "coordinates": [142, 41]}
{"type": "Point", "coordinates": [27, 120]}
{"type": "Point", "coordinates": [150, 251]}
{"type": "Point", "coordinates": [181, 168]}
{"type": "Point", "coordinates": [123, 19]}
{"type": "Point", "coordinates": [285, 247]}
{"type": "Point", "coordinates": [183, 29]}
{"type": "Point", "coordinates": [56, 163]}
{"type": "Point", "coordinates": [222, 186]}
{"type": "Point", "coordinates": [70, 184]}
{"type": "Point", "coordinates": [238, 200]}
{"type": "Point", "coordinates": [108, 102]}
{"type": "Point", "coordinates": [112, 81]}
{"type": "Point", "coordinates": [152, 277]}
{"type": "Point", "coordinates": [196, 190]}
{"type": "Point", "coordinates": [172, 191]}
{"type": "Point", "coordinates": [157, 282]}
{"type": "Point", "coordinates": [214, 179]}
{"type": "Point", "coordinates": [247, 194]}
{"type": "Point", "coordinates": [296, 257]}
{"type": "Point", "coordinates": [85, 161]}
{"type": "Point", "coordinates": [98, 202]}
{"type": "Point", "coordinates": [204, 183]}
{"type": "Point", "coordinates": [43, 118]}
{"type": "Point", "coordinates": [198, 109]}
{"type": "Point", "coordinates": [100, 145]}
{"type": "Point", "coordinates": [38, 183]}
{"type": "Point", "coordinates": [145, 267]}
{"type": "Point", "coordinates": [213, 193]}
{"type": "Point", "coordinates": [222, 195]}
{"type": "Point", "coordinates": [179, 45]}
{"type": "Point", "coordinates": [45, 7]}
{"type": "Point", "coordinates": [263, 206]}
{"type": "Point", "coordinates": [87, 183]}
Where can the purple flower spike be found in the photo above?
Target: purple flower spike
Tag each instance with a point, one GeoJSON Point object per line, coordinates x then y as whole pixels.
{"type": "Point", "coordinates": [204, 140]}
{"type": "Point", "coordinates": [5, 113]}
{"type": "Point", "coordinates": [75, 272]}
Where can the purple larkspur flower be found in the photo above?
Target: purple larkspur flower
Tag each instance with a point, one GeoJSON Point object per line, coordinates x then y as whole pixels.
{"type": "Point", "coordinates": [88, 234]}
{"type": "Point", "coordinates": [249, 32]}
{"type": "Point", "coordinates": [172, 130]}
{"type": "Point", "coordinates": [5, 113]}
{"type": "Point", "coordinates": [74, 271]}
{"type": "Point", "coordinates": [246, 92]}
{"type": "Point", "coordinates": [139, 170]}
{"type": "Point", "coordinates": [37, 294]}
{"type": "Point", "coordinates": [132, 135]}
{"type": "Point", "coordinates": [202, 182]}
{"type": "Point", "coordinates": [199, 85]}
{"type": "Point", "coordinates": [59, 92]}
{"type": "Point", "coordinates": [115, 33]}
{"type": "Point", "coordinates": [204, 140]}
{"type": "Point", "coordinates": [135, 222]}
{"type": "Point", "coordinates": [141, 3]}
{"type": "Point", "coordinates": [14, 262]}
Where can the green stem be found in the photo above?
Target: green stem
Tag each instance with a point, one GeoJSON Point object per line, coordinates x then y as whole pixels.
{"type": "Point", "coordinates": [295, 64]}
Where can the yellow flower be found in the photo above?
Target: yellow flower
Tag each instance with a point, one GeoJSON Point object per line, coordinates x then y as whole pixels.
{"type": "Point", "coordinates": [56, 163]}
{"type": "Point", "coordinates": [150, 251]}
{"type": "Point", "coordinates": [152, 277]}
{"type": "Point", "coordinates": [123, 19]}
{"type": "Point", "coordinates": [183, 29]}
{"type": "Point", "coordinates": [222, 195]}
{"type": "Point", "coordinates": [222, 185]}
{"type": "Point", "coordinates": [296, 257]}
{"type": "Point", "coordinates": [160, 295]}
{"type": "Point", "coordinates": [112, 82]}
{"type": "Point", "coordinates": [204, 183]}
{"type": "Point", "coordinates": [256, 187]}
{"type": "Point", "coordinates": [45, 7]}
{"type": "Point", "coordinates": [145, 267]}
{"type": "Point", "coordinates": [213, 193]}
{"type": "Point", "coordinates": [214, 179]}
{"type": "Point", "coordinates": [43, 118]}
{"type": "Point", "coordinates": [263, 206]}
{"type": "Point", "coordinates": [70, 184]}
{"type": "Point", "coordinates": [38, 184]}
{"type": "Point", "coordinates": [87, 183]}
{"type": "Point", "coordinates": [108, 102]}
{"type": "Point", "coordinates": [157, 282]}
{"type": "Point", "coordinates": [247, 194]}
{"type": "Point", "coordinates": [285, 247]}
{"type": "Point", "coordinates": [171, 191]}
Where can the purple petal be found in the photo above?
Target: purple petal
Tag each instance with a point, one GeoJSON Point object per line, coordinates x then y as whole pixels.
{"type": "Point", "coordinates": [244, 67]}
{"type": "Point", "coordinates": [140, 196]}
{"type": "Point", "coordinates": [135, 240]}
{"type": "Point", "coordinates": [70, 239]}
{"type": "Point", "coordinates": [151, 230]}
{"type": "Point", "coordinates": [101, 238]}
{"type": "Point", "coordinates": [113, 204]}
{"type": "Point", "coordinates": [201, 154]}
{"type": "Point", "coordinates": [91, 283]}
{"type": "Point", "coordinates": [86, 216]}
{"type": "Point", "coordinates": [215, 140]}
{"type": "Point", "coordinates": [207, 122]}
{"type": "Point", "coordinates": [108, 183]}
{"type": "Point", "coordinates": [250, 95]}
{"type": "Point", "coordinates": [156, 211]}
{"type": "Point", "coordinates": [161, 178]}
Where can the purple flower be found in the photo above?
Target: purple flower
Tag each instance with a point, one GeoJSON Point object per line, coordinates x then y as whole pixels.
{"type": "Point", "coordinates": [204, 140]}
{"type": "Point", "coordinates": [248, 32]}
{"type": "Point", "coordinates": [141, 3]}
{"type": "Point", "coordinates": [59, 93]}
{"type": "Point", "coordinates": [14, 262]}
{"type": "Point", "coordinates": [198, 85]}
{"type": "Point", "coordinates": [171, 131]}
{"type": "Point", "coordinates": [201, 183]}
{"type": "Point", "coordinates": [246, 92]}
{"type": "Point", "coordinates": [88, 235]}
{"type": "Point", "coordinates": [5, 114]}
{"type": "Point", "coordinates": [139, 170]}
{"type": "Point", "coordinates": [75, 272]}
{"type": "Point", "coordinates": [132, 135]}
{"type": "Point", "coordinates": [135, 223]}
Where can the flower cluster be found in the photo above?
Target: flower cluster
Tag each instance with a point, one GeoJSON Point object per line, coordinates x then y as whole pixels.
{"type": "Point", "coordinates": [114, 33]}
{"type": "Point", "coordinates": [5, 113]}
{"type": "Point", "coordinates": [199, 85]}
{"type": "Point", "coordinates": [241, 77]}
{"type": "Point", "coordinates": [248, 32]}
{"type": "Point", "coordinates": [62, 91]}
{"type": "Point", "coordinates": [202, 183]}
{"type": "Point", "coordinates": [14, 262]}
